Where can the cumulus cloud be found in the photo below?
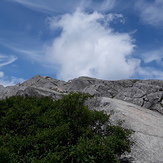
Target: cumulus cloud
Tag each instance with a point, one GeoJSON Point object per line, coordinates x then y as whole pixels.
{"type": "Point", "coordinates": [88, 46]}
{"type": "Point", "coordinates": [151, 12]}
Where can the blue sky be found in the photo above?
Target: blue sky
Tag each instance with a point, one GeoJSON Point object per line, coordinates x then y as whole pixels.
{"type": "Point", "coordinates": [64, 39]}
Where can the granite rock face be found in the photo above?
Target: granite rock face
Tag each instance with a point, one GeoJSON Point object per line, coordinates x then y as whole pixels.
{"type": "Point", "coordinates": [147, 127]}
{"type": "Point", "coordinates": [36, 86]}
{"type": "Point", "coordinates": [145, 118]}
{"type": "Point", "coordinates": [144, 93]}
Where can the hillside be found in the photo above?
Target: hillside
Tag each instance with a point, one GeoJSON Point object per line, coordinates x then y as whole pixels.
{"type": "Point", "coordinates": [144, 93]}
{"type": "Point", "coordinates": [138, 102]}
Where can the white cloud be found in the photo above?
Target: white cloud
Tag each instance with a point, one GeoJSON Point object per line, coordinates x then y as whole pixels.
{"type": "Point", "coordinates": [103, 5]}
{"type": "Point", "coordinates": [1, 74]}
{"type": "Point", "coordinates": [155, 55]}
{"type": "Point", "coordinates": [153, 64]}
{"type": "Point", "coordinates": [33, 53]}
{"type": "Point", "coordinates": [87, 47]}
{"type": "Point", "coordinates": [62, 6]}
{"type": "Point", "coordinates": [149, 73]}
{"type": "Point", "coordinates": [39, 5]}
{"type": "Point", "coordinates": [8, 82]}
{"type": "Point", "coordinates": [5, 60]}
{"type": "Point", "coordinates": [151, 12]}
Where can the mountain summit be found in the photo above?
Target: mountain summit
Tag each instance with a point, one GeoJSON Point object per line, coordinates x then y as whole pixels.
{"type": "Point", "coordinates": [144, 93]}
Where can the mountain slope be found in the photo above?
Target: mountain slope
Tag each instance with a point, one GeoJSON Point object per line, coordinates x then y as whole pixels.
{"type": "Point", "coordinates": [144, 118]}
{"type": "Point", "coordinates": [146, 124]}
{"type": "Point", "coordinates": [144, 93]}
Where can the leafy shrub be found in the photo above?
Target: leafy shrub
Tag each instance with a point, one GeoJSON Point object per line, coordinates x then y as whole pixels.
{"type": "Point", "coordinates": [40, 130]}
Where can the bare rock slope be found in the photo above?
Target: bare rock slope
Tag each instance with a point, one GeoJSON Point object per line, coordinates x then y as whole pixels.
{"type": "Point", "coordinates": [144, 93]}
{"type": "Point", "coordinates": [146, 124]}
{"type": "Point", "coordinates": [145, 118]}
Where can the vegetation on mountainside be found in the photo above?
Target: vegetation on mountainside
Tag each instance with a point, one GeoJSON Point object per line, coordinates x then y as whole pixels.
{"type": "Point", "coordinates": [40, 130]}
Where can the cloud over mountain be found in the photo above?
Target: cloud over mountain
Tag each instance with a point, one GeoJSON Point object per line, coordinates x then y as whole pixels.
{"type": "Point", "coordinates": [4, 61]}
{"type": "Point", "coordinates": [87, 45]}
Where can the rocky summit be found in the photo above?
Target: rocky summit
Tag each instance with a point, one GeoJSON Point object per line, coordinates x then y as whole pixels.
{"type": "Point", "coordinates": [144, 93]}
{"type": "Point", "coordinates": [138, 102]}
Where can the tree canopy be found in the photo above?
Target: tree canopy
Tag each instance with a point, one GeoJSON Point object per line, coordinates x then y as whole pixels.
{"type": "Point", "coordinates": [40, 130]}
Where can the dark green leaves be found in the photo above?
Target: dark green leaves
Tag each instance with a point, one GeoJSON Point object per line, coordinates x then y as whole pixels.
{"type": "Point", "coordinates": [65, 131]}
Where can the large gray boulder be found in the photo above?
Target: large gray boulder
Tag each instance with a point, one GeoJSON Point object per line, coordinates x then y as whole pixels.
{"type": "Point", "coordinates": [146, 124]}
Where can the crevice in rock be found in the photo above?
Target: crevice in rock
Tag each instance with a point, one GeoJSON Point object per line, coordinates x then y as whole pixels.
{"type": "Point", "coordinates": [149, 134]}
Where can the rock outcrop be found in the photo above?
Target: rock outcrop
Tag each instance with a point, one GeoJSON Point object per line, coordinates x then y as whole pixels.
{"type": "Point", "coordinates": [145, 118]}
{"type": "Point", "coordinates": [144, 93]}
{"type": "Point", "coordinates": [146, 124]}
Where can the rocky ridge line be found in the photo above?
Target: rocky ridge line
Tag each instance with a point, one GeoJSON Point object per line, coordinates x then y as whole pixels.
{"type": "Point", "coordinates": [146, 124]}
{"type": "Point", "coordinates": [144, 93]}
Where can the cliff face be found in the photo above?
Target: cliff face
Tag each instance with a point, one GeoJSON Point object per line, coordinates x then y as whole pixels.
{"type": "Point", "coordinates": [145, 118]}
{"type": "Point", "coordinates": [144, 93]}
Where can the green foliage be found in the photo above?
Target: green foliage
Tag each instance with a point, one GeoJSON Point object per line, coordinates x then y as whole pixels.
{"type": "Point", "coordinates": [40, 130]}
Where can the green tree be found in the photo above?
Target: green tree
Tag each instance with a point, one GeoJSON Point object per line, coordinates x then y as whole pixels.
{"type": "Point", "coordinates": [65, 131]}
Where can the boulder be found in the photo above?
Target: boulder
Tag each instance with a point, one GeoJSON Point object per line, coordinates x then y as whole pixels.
{"type": "Point", "coordinates": [147, 127]}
